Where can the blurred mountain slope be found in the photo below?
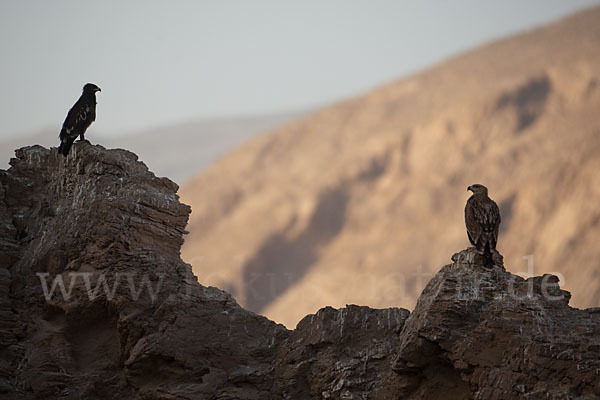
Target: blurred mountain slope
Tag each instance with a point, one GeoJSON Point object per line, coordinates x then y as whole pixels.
{"type": "Point", "coordinates": [362, 201]}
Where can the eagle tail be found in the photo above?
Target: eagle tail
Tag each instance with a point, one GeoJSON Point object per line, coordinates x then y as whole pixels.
{"type": "Point", "coordinates": [65, 146]}
{"type": "Point", "coordinates": [488, 257]}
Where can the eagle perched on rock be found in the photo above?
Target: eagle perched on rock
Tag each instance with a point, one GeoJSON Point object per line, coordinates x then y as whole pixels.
{"type": "Point", "coordinates": [482, 217]}
{"type": "Point", "coordinates": [79, 118]}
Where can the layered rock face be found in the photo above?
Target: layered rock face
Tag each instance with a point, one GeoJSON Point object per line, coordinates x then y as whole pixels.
{"type": "Point", "coordinates": [97, 304]}
{"type": "Point", "coordinates": [341, 354]}
{"type": "Point", "coordinates": [489, 334]}
{"type": "Point", "coordinates": [142, 327]}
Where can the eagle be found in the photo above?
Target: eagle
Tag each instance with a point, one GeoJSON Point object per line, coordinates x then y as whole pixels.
{"type": "Point", "coordinates": [79, 118]}
{"type": "Point", "coordinates": [482, 218]}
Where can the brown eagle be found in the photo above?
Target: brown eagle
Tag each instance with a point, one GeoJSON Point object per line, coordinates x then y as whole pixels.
{"type": "Point", "coordinates": [79, 118]}
{"type": "Point", "coordinates": [482, 217]}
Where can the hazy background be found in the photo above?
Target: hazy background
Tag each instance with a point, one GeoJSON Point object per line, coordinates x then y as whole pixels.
{"type": "Point", "coordinates": [161, 63]}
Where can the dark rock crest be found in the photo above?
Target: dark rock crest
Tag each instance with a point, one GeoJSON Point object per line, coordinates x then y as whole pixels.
{"type": "Point", "coordinates": [133, 322]}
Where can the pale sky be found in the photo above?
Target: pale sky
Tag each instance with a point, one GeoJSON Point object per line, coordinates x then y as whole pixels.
{"type": "Point", "coordinates": [161, 62]}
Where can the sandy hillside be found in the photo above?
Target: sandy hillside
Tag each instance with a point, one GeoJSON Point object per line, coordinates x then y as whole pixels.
{"type": "Point", "coordinates": [363, 201]}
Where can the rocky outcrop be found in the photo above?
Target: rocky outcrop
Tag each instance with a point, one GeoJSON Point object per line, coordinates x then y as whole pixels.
{"type": "Point", "coordinates": [97, 304]}
{"type": "Point", "coordinates": [132, 322]}
{"type": "Point", "coordinates": [341, 354]}
{"type": "Point", "coordinates": [487, 334]}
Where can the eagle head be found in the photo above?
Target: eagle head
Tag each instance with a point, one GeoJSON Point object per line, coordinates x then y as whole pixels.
{"type": "Point", "coordinates": [91, 88]}
{"type": "Point", "coordinates": [478, 189]}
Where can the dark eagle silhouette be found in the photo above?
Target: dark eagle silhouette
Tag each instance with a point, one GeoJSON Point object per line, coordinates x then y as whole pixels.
{"type": "Point", "coordinates": [482, 217]}
{"type": "Point", "coordinates": [79, 118]}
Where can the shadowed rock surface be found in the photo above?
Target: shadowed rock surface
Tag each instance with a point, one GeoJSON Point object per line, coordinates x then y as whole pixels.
{"type": "Point", "coordinates": [341, 354]}
{"type": "Point", "coordinates": [101, 212]}
{"type": "Point", "coordinates": [492, 335]}
{"type": "Point", "coordinates": [153, 332]}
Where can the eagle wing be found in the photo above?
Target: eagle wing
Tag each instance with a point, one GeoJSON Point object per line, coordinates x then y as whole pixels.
{"type": "Point", "coordinates": [472, 221]}
{"type": "Point", "coordinates": [493, 221]}
{"type": "Point", "coordinates": [482, 218]}
{"type": "Point", "coordinates": [79, 118]}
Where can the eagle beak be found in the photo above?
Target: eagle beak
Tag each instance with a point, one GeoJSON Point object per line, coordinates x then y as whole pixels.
{"type": "Point", "coordinates": [468, 188]}
{"type": "Point", "coordinates": [99, 89]}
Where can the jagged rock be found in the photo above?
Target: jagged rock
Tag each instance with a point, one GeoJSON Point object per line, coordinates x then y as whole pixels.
{"type": "Point", "coordinates": [100, 215]}
{"type": "Point", "coordinates": [487, 334]}
{"type": "Point", "coordinates": [340, 354]}
{"type": "Point", "coordinates": [131, 321]}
